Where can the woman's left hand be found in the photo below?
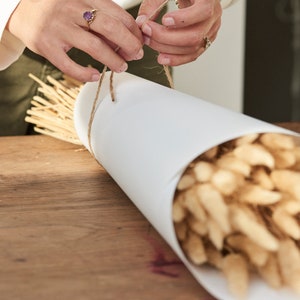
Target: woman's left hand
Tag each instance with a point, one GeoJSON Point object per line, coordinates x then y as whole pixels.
{"type": "Point", "coordinates": [184, 33]}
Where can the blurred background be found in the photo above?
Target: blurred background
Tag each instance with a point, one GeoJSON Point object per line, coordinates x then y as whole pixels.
{"type": "Point", "coordinates": [254, 65]}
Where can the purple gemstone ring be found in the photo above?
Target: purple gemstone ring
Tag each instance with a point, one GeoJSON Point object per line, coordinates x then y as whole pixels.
{"type": "Point", "coordinates": [90, 16]}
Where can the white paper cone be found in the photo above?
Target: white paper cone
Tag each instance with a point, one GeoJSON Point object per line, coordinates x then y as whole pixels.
{"type": "Point", "coordinates": [126, 4]}
{"type": "Point", "coordinates": [146, 139]}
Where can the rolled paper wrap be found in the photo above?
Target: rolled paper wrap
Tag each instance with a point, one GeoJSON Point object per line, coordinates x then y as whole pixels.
{"type": "Point", "coordinates": [126, 4]}
{"type": "Point", "coordinates": [147, 137]}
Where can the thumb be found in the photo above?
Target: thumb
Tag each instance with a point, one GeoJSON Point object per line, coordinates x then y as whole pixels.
{"type": "Point", "coordinates": [149, 10]}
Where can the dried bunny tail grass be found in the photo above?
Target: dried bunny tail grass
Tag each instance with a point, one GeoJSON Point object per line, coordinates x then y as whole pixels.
{"type": "Point", "coordinates": [52, 113]}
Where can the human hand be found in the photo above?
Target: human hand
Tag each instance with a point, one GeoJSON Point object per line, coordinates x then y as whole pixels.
{"type": "Point", "coordinates": [181, 36]}
{"type": "Point", "coordinates": [51, 28]}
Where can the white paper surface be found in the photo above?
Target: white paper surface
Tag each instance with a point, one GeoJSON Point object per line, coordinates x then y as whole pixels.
{"type": "Point", "coordinates": [126, 4]}
{"type": "Point", "coordinates": [146, 139]}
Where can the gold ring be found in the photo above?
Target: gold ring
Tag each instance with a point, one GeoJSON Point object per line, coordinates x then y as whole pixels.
{"type": "Point", "coordinates": [207, 43]}
{"type": "Point", "coordinates": [89, 16]}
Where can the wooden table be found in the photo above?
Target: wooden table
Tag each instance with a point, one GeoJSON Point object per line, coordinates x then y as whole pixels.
{"type": "Point", "coordinates": [68, 232]}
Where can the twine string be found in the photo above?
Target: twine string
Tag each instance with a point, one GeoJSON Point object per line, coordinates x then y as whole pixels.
{"type": "Point", "coordinates": [94, 107]}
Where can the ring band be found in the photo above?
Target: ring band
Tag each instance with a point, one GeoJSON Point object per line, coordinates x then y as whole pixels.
{"type": "Point", "coordinates": [207, 43]}
{"type": "Point", "coordinates": [90, 16]}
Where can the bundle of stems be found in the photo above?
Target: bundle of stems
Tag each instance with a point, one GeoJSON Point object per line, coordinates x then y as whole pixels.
{"type": "Point", "coordinates": [52, 113]}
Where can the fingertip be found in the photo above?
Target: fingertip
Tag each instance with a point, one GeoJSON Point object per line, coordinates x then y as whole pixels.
{"type": "Point", "coordinates": [86, 75]}
{"type": "Point", "coordinates": [140, 20]}
{"type": "Point", "coordinates": [95, 77]}
{"type": "Point", "coordinates": [122, 68]}
{"type": "Point", "coordinates": [168, 21]}
{"type": "Point", "coordinates": [164, 60]}
{"type": "Point", "coordinates": [89, 74]}
{"type": "Point", "coordinates": [140, 54]}
{"type": "Point", "coordinates": [147, 40]}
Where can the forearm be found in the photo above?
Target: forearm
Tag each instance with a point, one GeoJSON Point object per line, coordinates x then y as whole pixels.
{"type": "Point", "coordinates": [10, 47]}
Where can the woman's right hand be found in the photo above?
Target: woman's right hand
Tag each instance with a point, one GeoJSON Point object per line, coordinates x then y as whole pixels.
{"type": "Point", "coordinates": [51, 28]}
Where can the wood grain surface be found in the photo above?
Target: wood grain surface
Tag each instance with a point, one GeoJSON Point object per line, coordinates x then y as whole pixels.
{"type": "Point", "coordinates": [68, 232]}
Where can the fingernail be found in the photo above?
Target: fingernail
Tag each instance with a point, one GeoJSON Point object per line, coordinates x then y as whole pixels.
{"type": "Point", "coordinates": [140, 20]}
{"type": "Point", "coordinates": [164, 60]}
{"type": "Point", "coordinates": [123, 68]}
{"type": "Point", "coordinates": [147, 30]}
{"type": "Point", "coordinates": [140, 54]}
{"type": "Point", "coordinates": [146, 40]}
{"type": "Point", "coordinates": [95, 77]}
{"type": "Point", "coordinates": [168, 21]}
